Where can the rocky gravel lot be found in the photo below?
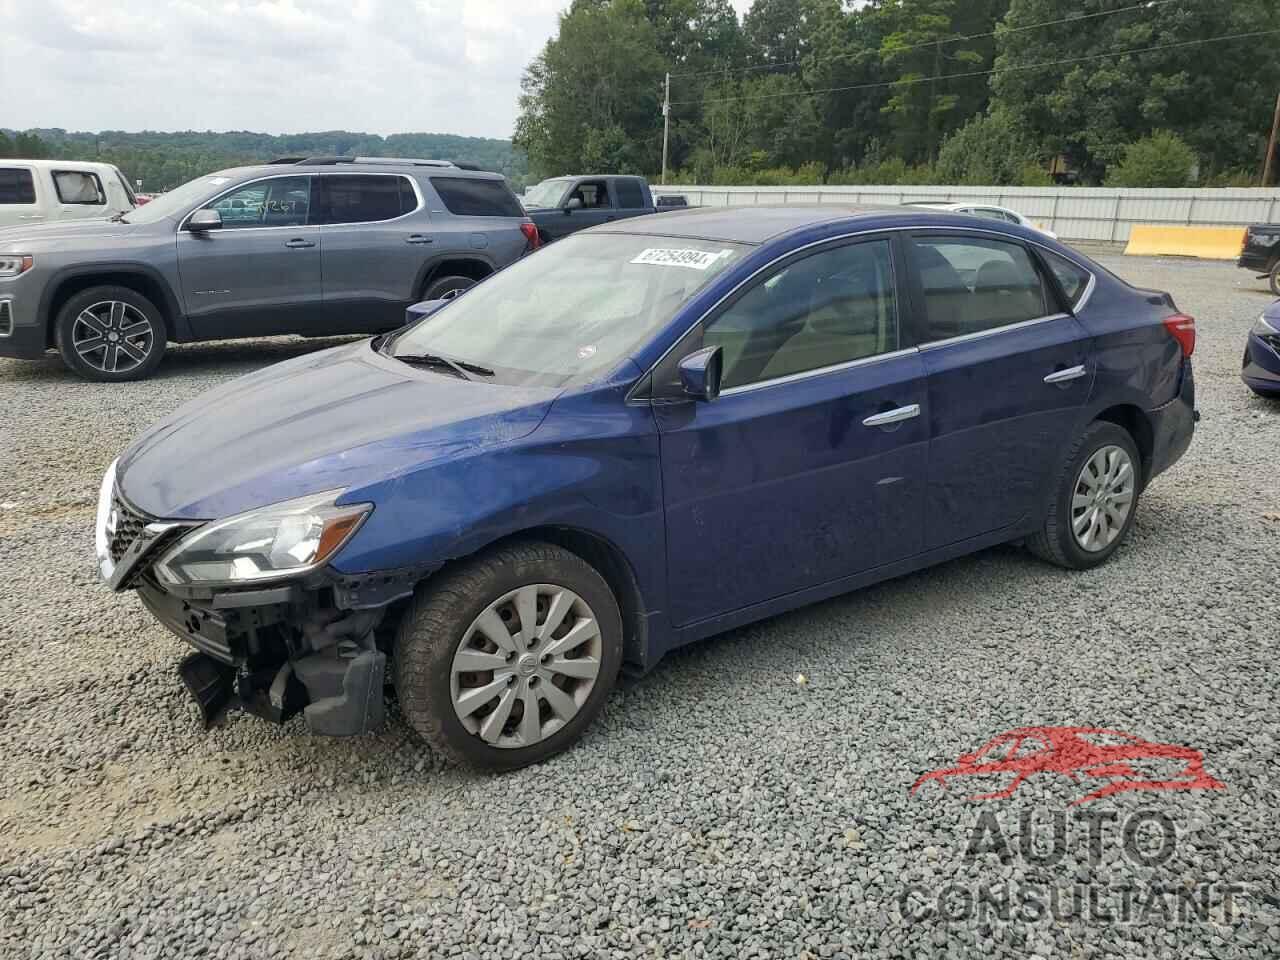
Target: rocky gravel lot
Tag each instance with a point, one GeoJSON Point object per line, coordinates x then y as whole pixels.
{"type": "Point", "coordinates": [722, 808]}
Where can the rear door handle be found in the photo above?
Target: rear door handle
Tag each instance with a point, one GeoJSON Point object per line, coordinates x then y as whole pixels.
{"type": "Point", "coordinates": [890, 417]}
{"type": "Point", "coordinates": [418, 238]}
{"type": "Point", "coordinates": [1062, 376]}
{"type": "Point", "coordinates": [298, 243]}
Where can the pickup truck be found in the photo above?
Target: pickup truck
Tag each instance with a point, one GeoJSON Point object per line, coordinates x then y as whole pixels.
{"type": "Point", "coordinates": [1261, 253]}
{"type": "Point", "coordinates": [564, 205]}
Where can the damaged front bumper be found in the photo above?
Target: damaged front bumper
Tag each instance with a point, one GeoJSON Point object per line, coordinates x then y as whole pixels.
{"type": "Point", "coordinates": [313, 644]}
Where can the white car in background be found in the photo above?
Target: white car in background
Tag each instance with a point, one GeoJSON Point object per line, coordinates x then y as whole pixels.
{"type": "Point", "coordinates": [990, 212]}
{"type": "Point", "coordinates": [45, 191]}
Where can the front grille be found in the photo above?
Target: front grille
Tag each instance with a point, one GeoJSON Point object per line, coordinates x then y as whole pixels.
{"type": "Point", "coordinates": [6, 318]}
{"type": "Point", "coordinates": [129, 526]}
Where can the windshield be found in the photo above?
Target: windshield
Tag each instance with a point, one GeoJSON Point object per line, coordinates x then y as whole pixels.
{"type": "Point", "coordinates": [178, 200]}
{"type": "Point", "coordinates": [545, 194]}
{"type": "Point", "coordinates": [579, 306]}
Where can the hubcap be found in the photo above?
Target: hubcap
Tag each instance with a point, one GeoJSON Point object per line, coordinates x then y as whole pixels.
{"type": "Point", "coordinates": [112, 336]}
{"type": "Point", "coordinates": [1103, 498]}
{"type": "Point", "coordinates": [526, 665]}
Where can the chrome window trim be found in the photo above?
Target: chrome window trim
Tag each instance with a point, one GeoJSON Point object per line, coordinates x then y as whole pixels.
{"type": "Point", "coordinates": [205, 204]}
{"type": "Point", "coordinates": [983, 334]}
{"type": "Point", "coordinates": [818, 371]}
{"type": "Point", "coordinates": [915, 228]}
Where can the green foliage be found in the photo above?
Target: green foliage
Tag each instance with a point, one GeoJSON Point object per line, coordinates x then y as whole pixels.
{"type": "Point", "coordinates": [988, 150]}
{"type": "Point", "coordinates": [1160, 160]}
{"type": "Point", "coordinates": [165, 160]}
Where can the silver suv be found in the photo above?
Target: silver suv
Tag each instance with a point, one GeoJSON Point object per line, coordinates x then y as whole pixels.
{"type": "Point", "coordinates": [317, 246]}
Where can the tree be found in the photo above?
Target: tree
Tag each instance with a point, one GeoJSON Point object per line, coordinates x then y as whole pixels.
{"type": "Point", "coordinates": [1160, 160]}
{"type": "Point", "coordinates": [988, 150]}
{"type": "Point", "coordinates": [594, 93]}
{"type": "Point", "coordinates": [6, 145]}
{"type": "Point", "coordinates": [1212, 96]}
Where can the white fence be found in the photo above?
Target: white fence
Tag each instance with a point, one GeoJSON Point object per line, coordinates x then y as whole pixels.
{"type": "Point", "coordinates": [1074, 213]}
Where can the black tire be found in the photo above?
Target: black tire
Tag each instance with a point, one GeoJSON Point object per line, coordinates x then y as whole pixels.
{"type": "Point", "coordinates": [1275, 278]}
{"type": "Point", "coordinates": [446, 288]}
{"type": "Point", "coordinates": [436, 622]}
{"type": "Point", "coordinates": [1056, 542]}
{"type": "Point", "coordinates": [135, 358]}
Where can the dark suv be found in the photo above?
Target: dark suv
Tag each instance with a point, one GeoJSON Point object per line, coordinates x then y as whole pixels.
{"type": "Point", "coordinates": [316, 246]}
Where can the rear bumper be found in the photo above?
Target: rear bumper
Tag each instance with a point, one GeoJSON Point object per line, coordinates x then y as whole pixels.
{"type": "Point", "coordinates": [1174, 424]}
{"type": "Point", "coordinates": [1255, 262]}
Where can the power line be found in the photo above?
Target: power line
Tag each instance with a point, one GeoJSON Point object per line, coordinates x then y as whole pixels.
{"type": "Point", "coordinates": [1074, 18]}
{"type": "Point", "coordinates": [911, 81]}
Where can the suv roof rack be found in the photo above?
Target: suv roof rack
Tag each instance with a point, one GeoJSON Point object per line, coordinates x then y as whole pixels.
{"type": "Point", "coordinates": [288, 160]}
{"type": "Point", "coordinates": [398, 161]}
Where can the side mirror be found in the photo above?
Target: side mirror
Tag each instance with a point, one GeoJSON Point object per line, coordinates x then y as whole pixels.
{"type": "Point", "coordinates": [573, 203]}
{"type": "Point", "coordinates": [420, 311]}
{"type": "Point", "coordinates": [203, 220]}
{"type": "Point", "coordinates": [700, 373]}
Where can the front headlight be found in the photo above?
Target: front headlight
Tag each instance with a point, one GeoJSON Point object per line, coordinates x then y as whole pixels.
{"type": "Point", "coordinates": [12, 264]}
{"type": "Point", "coordinates": [281, 540]}
{"type": "Point", "coordinates": [1265, 327]}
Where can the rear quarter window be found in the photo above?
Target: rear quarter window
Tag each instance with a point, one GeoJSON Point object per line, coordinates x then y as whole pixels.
{"type": "Point", "coordinates": [1074, 279]}
{"type": "Point", "coordinates": [16, 186]}
{"type": "Point", "coordinates": [468, 197]}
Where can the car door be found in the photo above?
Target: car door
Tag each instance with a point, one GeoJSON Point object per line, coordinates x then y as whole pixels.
{"type": "Point", "coordinates": [260, 273]}
{"type": "Point", "coordinates": [598, 205]}
{"type": "Point", "coordinates": [810, 464]}
{"type": "Point", "coordinates": [629, 197]}
{"type": "Point", "coordinates": [375, 238]}
{"type": "Point", "coordinates": [1009, 369]}
{"type": "Point", "coordinates": [80, 194]}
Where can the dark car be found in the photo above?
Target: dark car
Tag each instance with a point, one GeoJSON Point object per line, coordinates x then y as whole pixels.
{"type": "Point", "coordinates": [564, 205]}
{"type": "Point", "coordinates": [637, 437]}
{"type": "Point", "coordinates": [318, 246]}
{"type": "Point", "coordinates": [1261, 367]}
{"type": "Point", "coordinates": [1261, 253]}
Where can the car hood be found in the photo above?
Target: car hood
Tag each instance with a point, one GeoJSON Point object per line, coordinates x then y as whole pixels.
{"type": "Point", "coordinates": [336, 419]}
{"type": "Point", "coordinates": [31, 238]}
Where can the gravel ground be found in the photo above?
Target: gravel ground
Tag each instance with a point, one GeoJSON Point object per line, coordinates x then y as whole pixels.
{"type": "Point", "coordinates": [723, 807]}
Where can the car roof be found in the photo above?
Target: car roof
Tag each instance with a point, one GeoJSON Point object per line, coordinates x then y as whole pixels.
{"type": "Point", "coordinates": [754, 224]}
{"type": "Point", "coordinates": [443, 168]}
{"type": "Point", "coordinates": [58, 164]}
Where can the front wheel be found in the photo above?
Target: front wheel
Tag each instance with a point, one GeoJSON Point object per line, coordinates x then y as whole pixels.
{"type": "Point", "coordinates": [1093, 501]}
{"type": "Point", "coordinates": [110, 334]}
{"type": "Point", "coordinates": [506, 660]}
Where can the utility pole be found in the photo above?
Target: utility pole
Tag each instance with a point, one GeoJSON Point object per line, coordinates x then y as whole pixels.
{"type": "Point", "coordinates": [1271, 146]}
{"type": "Point", "coordinates": [666, 124]}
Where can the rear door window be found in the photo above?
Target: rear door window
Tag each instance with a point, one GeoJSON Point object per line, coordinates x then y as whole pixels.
{"type": "Point", "coordinates": [79, 187]}
{"type": "Point", "coordinates": [17, 186]}
{"type": "Point", "coordinates": [474, 197]}
{"type": "Point", "coordinates": [365, 199]}
{"type": "Point", "coordinates": [630, 196]}
{"type": "Point", "coordinates": [972, 285]}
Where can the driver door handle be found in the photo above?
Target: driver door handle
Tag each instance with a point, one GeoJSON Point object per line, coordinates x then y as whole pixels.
{"type": "Point", "coordinates": [890, 417]}
{"type": "Point", "coordinates": [298, 243]}
{"type": "Point", "coordinates": [1062, 376]}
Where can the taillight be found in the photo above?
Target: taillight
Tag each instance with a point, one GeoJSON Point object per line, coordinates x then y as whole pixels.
{"type": "Point", "coordinates": [530, 231]}
{"type": "Point", "coordinates": [1183, 329]}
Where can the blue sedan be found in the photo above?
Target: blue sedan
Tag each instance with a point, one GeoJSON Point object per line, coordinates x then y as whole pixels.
{"type": "Point", "coordinates": [1261, 367]}
{"type": "Point", "coordinates": [644, 434]}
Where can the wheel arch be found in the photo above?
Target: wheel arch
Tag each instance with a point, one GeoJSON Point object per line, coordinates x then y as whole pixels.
{"type": "Point", "coordinates": [473, 267]}
{"type": "Point", "coordinates": [1134, 421]}
{"type": "Point", "coordinates": [141, 279]}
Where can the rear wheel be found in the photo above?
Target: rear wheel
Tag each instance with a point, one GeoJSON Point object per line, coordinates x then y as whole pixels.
{"type": "Point", "coordinates": [110, 334]}
{"type": "Point", "coordinates": [446, 288]}
{"type": "Point", "coordinates": [1275, 278]}
{"type": "Point", "coordinates": [1094, 500]}
{"type": "Point", "coordinates": [506, 661]}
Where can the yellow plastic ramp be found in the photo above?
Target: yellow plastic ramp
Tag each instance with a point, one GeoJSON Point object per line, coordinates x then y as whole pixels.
{"type": "Point", "coordinates": [1208, 243]}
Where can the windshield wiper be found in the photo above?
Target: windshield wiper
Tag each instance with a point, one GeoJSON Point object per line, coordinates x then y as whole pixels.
{"type": "Point", "coordinates": [460, 367]}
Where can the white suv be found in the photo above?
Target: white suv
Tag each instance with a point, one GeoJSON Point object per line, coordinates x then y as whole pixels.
{"type": "Point", "coordinates": [43, 191]}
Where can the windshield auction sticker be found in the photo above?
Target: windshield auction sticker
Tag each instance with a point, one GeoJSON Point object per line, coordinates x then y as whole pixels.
{"type": "Point", "coordinates": [669, 257]}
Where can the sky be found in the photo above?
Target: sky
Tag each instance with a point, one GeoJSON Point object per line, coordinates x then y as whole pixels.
{"type": "Point", "coordinates": [273, 66]}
